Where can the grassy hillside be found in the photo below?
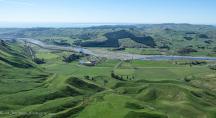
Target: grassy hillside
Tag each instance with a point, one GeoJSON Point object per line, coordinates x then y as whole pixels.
{"type": "Point", "coordinates": [158, 89]}
{"type": "Point", "coordinates": [113, 40]}
{"type": "Point", "coordinates": [111, 88]}
{"type": "Point", "coordinates": [26, 87]}
{"type": "Point", "coordinates": [168, 39]}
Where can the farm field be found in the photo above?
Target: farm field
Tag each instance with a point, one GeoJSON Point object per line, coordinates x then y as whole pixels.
{"type": "Point", "coordinates": [140, 71]}
{"type": "Point", "coordinates": [159, 89]}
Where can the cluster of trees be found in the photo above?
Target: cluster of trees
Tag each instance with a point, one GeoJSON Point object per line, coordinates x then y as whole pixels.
{"type": "Point", "coordinates": [119, 49]}
{"type": "Point", "coordinates": [70, 58]}
{"type": "Point", "coordinates": [214, 49]}
{"type": "Point", "coordinates": [2, 43]}
{"type": "Point", "coordinates": [39, 61]}
{"type": "Point", "coordinates": [186, 50]}
{"type": "Point", "coordinates": [92, 79]}
{"type": "Point", "coordinates": [195, 62]}
{"type": "Point", "coordinates": [188, 38]}
{"type": "Point", "coordinates": [164, 46]}
{"type": "Point", "coordinates": [208, 41]}
{"type": "Point", "coordinates": [212, 67]}
{"type": "Point", "coordinates": [62, 43]}
{"type": "Point", "coordinates": [203, 36]}
{"type": "Point", "coordinates": [113, 75]}
{"type": "Point", "coordinates": [198, 62]}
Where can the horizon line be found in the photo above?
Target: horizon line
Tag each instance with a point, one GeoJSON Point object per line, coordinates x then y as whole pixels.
{"type": "Point", "coordinates": [88, 24]}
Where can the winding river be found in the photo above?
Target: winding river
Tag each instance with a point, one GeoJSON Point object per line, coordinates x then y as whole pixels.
{"type": "Point", "coordinates": [113, 55]}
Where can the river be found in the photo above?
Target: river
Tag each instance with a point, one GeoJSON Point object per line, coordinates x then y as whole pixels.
{"type": "Point", "coordinates": [114, 54]}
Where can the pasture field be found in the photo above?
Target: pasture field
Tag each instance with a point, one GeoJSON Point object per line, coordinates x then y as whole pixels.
{"type": "Point", "coordinates": [110, 89]}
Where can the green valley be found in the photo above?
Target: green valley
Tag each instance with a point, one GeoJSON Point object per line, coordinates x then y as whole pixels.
{"type": "Point", "coordinates": [38, 82]}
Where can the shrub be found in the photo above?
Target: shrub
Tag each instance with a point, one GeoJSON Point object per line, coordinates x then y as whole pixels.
{"type": "Point", "coordinates": [113, 75]}
{"type": "Point", "coordinates": [186, 50]}
{"type": "Point", "coordinates": [188, 38]}
{"type": "Point", "coordinates": [72, 57]}
{"type": "Point", "coordinates": [208, 41]}
{"type": "Point", "coordinates": [39, 61]}
{"type": "Point", "coordinates": [87, 77]}
{"type": "Point", "coordinates": [212, 67]}
{"type": "Point", "coordinates": [203, 36]}
{"type": "Point", "coordinates": [214, 49]}
{"type": "Point", "coordinates": [195, 62]}
{"type": "Point", "coordinates": [2, 43]}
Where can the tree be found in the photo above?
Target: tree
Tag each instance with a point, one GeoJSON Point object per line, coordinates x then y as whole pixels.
{"type": "Point", "coordinates": [186, 50]}
{"type": "Point", "coordinates": [105, 82]}
{"type": "Point", "coordinates": [86, 77]}
{"type": "Point", "coordinates": [39, 61]}
{"type": "Point", "coordinates": [3, 43]}
{"type": "Point", "coordinates": [214, 49]}
{"type": "Point", "coordinates": [212, 67]}
{"type": "Point", "coordinates": [72, 57]}
{"type": "Point", "coordinates": [113, 75]}
{"type": "Point", "coordinates": [203, 36]}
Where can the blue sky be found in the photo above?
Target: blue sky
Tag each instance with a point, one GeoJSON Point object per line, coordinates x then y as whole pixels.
{"type": "Point", "coordinates": [109, 11]}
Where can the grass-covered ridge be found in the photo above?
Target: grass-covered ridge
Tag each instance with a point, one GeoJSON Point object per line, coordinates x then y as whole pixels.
{"type": "Point", "coordinates": [58, 88]}
{"type": "Point", "coordinates": [168, 39]}
{"type": "Point", "coordinates": [113, 40]}
{"type": "Point", "coordinates": [112, 88]}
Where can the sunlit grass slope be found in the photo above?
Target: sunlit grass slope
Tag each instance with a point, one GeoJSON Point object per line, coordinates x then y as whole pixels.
{"type": "Point", "coordinates": [146, 89]}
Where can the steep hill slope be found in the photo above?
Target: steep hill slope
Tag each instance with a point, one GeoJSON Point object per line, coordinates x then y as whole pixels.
{"type": "Point", "coordinates": [25, 87]}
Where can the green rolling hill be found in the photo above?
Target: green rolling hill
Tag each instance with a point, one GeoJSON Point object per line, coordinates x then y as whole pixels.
{"type": "Point", "coordinates": [111, 88]}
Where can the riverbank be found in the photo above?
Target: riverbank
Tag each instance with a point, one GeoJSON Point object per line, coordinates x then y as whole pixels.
{"type": "Point", "coordinates": [114, 54]}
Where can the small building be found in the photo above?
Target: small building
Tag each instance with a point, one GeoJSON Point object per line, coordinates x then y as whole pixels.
{"type": "Point", "coordinates": [87, 63]}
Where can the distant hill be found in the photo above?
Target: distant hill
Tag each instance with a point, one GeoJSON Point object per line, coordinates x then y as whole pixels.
{"type": "Point", "coordinates": [159, 36]}
{"type": "Point", "coordinates": [113, 40]}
